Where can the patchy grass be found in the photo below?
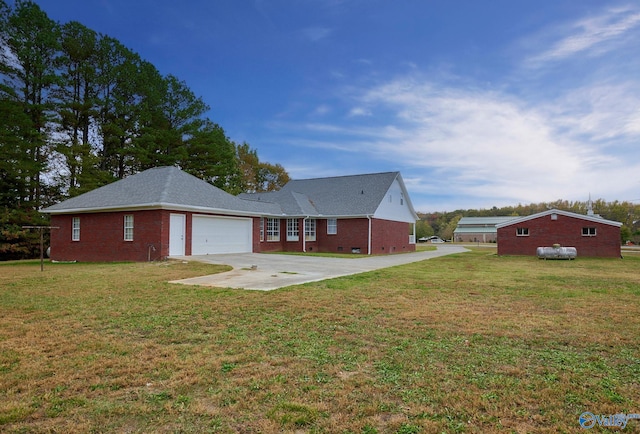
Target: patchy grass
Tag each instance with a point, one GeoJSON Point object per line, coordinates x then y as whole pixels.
{"type": "Point", "coordinates": [466, 343]}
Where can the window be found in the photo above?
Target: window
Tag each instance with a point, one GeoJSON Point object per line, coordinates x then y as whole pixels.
{"type": "Point", "coordinates": [273, 230]}
{"type": "Point", "coordinates": [292, 230]}
{"type": "Point", "coordinates": [588, 232]}
{"type": "Point", "coordinates": [522, 232]}
{"type": "Point", "coordinates": [332, 226]}
{"type": "Point", "coordinates": [310, 230]}
{"type": "Point", "coordinates": [128, 227]}
{"type": "Point", "coordinates": [261, 228]}
{"type": "Point", "coordinates": [75, 229]}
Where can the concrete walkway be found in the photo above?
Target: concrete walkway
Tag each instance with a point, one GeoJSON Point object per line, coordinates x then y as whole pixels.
{"type": "Point", "coordinates": [271, 271]}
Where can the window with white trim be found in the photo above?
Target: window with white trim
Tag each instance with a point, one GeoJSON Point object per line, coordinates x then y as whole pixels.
{"type": "Point", "coordinates": [292, 230]}
{"type": "Point", "coordinates": [128, 227]}
{"type": "Point", "coordinates": [75, 229]}
{"type": "Point", "coordinates": [522, 232]}
{"type": "Point", "coordinates": [332, 226]}
{"type": "Point", "coordinates": [588, 232]}
{"type": "Point", "coordinates": [310, 230]}
{"type": "Point", "coordinates": [261, 228]}
{"type": "Point", "coordinates": [273, 229]}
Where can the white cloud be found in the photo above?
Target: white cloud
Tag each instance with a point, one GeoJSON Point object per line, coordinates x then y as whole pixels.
{"type": "Point", "coordinates": [600, 112]}
{"type": "Point", "coordinates": [315, 34]}
{"type": "Point", "coordinates": [359, 111]}
{"type": "Point", "coordinates": [363, 61]}
{"type": "Point", "coordinates": [322, 110]}
{"type": "Point", "coordinates": [533, 139]}
{"type": "Point", "coordinates": [595, 35]}
{"type": "Point", "coordinates": [487, 147]}
{"type": "Point", "coordinates": [476, 138]}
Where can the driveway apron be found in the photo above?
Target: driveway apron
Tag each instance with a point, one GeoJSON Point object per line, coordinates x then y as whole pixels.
{"type": "Point", "coordinates": [260, 271]}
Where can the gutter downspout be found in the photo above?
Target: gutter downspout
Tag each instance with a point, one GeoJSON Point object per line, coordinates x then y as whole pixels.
{"type": "Point", "coordinates": [369, 240]}
{"type": "Point", "coordinates": [304, 234]}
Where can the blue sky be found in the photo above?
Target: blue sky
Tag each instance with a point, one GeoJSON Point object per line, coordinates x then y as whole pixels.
{"type": "Point", "coordinates": [476, 103]}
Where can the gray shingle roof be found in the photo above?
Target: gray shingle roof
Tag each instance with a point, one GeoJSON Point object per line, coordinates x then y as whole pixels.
{"type": "Point", "coordinates": [171, 188]}
{"type": "Point", "coordinates": [167, 187]}
{"type": "Point", "coordinates": [354, 195]}
{"type": "Point", "coordinates": [484, 221]}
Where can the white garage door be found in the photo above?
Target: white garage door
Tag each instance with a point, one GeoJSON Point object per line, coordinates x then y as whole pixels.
{"type": "Point", "coordinates": [212, 235]}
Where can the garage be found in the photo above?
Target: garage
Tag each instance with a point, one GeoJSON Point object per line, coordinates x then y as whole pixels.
{"type": "Point", "coordinates": [215, 234]}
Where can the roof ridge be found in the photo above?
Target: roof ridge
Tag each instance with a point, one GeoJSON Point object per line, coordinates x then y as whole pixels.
{"type": "Point", "coordinates": [349, 176]}
{"type": "Point", "coordinates": [167, 183]}
{"type": "Point", "coordinates": [591, 218]}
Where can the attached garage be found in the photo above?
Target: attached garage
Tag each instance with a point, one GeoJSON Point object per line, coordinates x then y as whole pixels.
{"type": "Point", "coordinates": [216, 234]}
{"type": "Point", "coordinates": [165, 212]}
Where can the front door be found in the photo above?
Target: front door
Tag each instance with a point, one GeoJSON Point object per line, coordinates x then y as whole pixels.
{"type": "Point", "coordinates": [177, 229]}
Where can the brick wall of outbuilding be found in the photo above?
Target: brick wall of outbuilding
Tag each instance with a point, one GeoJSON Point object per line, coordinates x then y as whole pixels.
{"type": "Point", "coordinates": [566, 231]}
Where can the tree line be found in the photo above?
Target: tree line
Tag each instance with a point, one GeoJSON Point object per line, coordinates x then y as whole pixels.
{"type": "Point", "coordinates": [79, 110]}
{"type": "Point", "coordinates": [443, 224]}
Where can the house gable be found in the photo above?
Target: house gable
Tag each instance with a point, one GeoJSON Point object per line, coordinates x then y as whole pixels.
{"type": "Point", "coordinates": [344, 196]}
{"type": "Point", "coordinates": [396, 205]}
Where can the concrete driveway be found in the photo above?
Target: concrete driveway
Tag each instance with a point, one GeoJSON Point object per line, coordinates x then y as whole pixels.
{"type": "Point", "coordinates": [271, 271]}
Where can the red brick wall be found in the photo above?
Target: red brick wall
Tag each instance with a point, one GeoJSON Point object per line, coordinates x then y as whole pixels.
{"type": "Point", "coordinates": [102, 237]}
{"type": "Point", "coordinates": [387, 237]}
{"type": "Point", "coordinates": [270, 246]}
{"type": "Point", "coordinates": [390, 237]}
{"type": "Point", "coordinates": [352, 233]}
{"type": "Point", "coordinates": [566, 231]}
{"type": "Point", "coordinates": [283, 245]}
{"type": "Point", "coordinates": [256, 235]}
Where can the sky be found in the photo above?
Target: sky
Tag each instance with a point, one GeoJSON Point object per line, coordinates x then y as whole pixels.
{"type": "Point", "coordinates": [477, 103]}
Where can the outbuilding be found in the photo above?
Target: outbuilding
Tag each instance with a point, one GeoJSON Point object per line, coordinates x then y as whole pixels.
{"type": "Point", "coordinates": [590, 234]}
{"type": "Point", "coordinates": [479, 229]}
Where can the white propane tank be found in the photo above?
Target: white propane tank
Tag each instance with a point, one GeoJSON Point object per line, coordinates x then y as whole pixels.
{"type": "Point", "coordinates": [557, 252]}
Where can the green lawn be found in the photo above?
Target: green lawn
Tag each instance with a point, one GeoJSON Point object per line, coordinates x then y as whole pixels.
{"type": "Point", "coordinates": [466, 343]}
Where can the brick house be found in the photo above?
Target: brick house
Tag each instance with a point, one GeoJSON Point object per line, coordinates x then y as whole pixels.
{"type": "Point", "coordinates": [164, 212]}
{"type": "Point", "coordinates": [591, 235]}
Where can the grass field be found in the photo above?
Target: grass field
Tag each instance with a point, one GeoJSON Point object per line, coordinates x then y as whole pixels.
{"type": "Point", "coordinates": [466, 343]}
